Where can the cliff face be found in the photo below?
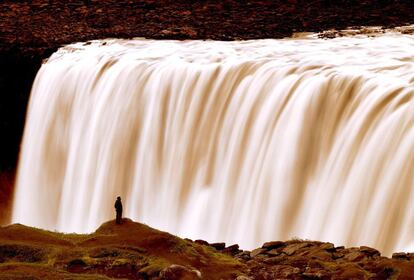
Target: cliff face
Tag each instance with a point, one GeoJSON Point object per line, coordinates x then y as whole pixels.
{"type": "Point", "coordinates": [136, 251]}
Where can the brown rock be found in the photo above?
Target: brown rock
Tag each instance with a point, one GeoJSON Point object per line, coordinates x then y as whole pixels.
{"type": "Point", "coordinates": [355, 256]}
{"type": "Point", "coordinates": [327, 246]}
{"type": "Point", "coordinates": [201, 242]}
{"type": "Point", "coordinates": [293, 248]}
{"type": "Point", "coordinates": [273, 245]}
{"type": "Point", "coordinates": [257, 252]}
{"type": "Point", "coordinates": [244, 255]}
{"type": "Point", "coordinates": [274, 252]}
{"type": "Point", "coordinates": [274, 260]}
{"type": "Point", "coordinates": [369, 251]}
{"type": "Point", "coordinates": [231, 250]}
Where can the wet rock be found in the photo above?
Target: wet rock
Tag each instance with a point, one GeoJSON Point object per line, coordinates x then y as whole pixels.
{"type": "Point", "coordinates": [177, 272]}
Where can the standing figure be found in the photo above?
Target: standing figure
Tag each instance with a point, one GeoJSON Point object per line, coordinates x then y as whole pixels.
{"type": "Point", "coordinates": [118, 208]}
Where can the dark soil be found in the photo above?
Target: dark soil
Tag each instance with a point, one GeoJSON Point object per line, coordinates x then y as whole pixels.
{"type": "Point", "coordinates": [31, 30]}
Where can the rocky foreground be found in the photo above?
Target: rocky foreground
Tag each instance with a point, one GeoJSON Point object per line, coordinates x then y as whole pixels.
{"type": "Point", "coordinates": [136, 251]}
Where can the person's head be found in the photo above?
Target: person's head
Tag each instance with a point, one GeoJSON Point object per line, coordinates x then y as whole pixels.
{"type": "Point", "coordinates": [118, 198]}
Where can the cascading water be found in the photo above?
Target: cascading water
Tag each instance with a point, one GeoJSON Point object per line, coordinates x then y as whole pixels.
{"type": "Point", "coordinates": [241, 142]}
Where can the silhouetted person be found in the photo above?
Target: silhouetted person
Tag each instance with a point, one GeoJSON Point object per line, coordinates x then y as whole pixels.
{"type": "Point", "coordinates": [118, 208]}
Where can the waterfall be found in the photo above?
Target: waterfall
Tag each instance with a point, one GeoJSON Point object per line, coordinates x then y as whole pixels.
{"type": "Point", "coordinates": [243, 142]}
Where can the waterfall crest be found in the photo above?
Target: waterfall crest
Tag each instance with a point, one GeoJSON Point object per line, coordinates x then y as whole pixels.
{"type": "Point", "coordinates": [242, 142]}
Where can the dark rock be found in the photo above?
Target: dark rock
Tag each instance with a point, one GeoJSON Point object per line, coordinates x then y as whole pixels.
{"type": "Point", "coordinates": [21, 253]}
{"type": "Point", "coordinates": [244, 255]}
{"type": "Point", "coordinates": [218, 246]}
{"type": "Point", "coordinates": [369, 251]}
{"type": "Point", "coordinates": [400, 256]}
{"type": "Point", "coordinates": [231, 250]}
{"type": "Point", "coordinates": [76, 266]}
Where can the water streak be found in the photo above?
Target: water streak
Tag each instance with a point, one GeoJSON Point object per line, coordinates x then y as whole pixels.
{"type": "Point", "coordinates": [243, 142]}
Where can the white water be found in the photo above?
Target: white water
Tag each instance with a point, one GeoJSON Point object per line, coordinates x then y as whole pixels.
{"type": "Point", "coordinates": [243, 142]}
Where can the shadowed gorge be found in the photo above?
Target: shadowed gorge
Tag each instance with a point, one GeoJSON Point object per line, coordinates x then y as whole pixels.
{"type": "Point", "coordinates": [243, 142]}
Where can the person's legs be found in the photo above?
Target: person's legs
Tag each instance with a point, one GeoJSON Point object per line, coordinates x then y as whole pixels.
{"type": "Point", "coordinates": [118, 217]}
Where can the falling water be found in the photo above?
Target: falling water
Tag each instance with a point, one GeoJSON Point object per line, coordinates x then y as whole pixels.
{"type": "Point", "coordinates": [243, 142]}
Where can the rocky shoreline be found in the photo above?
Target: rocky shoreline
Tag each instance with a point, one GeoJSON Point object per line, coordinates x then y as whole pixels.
{"type": "Point", "coordinates": [135, 251]}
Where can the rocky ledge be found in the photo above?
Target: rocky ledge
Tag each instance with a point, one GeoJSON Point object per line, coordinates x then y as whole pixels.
{"type": "Point", "coordinates": [135, 251]}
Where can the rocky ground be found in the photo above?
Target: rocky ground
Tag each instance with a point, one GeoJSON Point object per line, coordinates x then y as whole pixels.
{"type": "Point", "coordinates": [136, 251]}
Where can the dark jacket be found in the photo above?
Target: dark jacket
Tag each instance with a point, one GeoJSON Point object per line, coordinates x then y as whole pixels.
{"type": "Point", "coordinates": [118, 205]}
